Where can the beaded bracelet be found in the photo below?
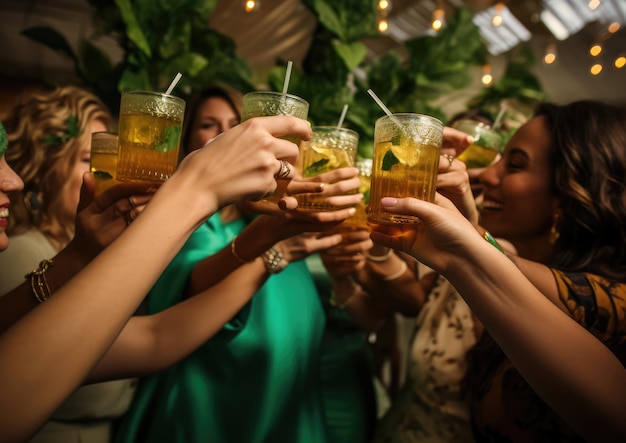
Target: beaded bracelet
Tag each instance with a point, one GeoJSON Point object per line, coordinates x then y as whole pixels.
{"type": "Point", "coordinates": [38, 282]}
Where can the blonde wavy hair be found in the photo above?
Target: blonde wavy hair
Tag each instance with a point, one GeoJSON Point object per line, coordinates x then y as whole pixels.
{"type": "Point", "coordinates": [45, 165]}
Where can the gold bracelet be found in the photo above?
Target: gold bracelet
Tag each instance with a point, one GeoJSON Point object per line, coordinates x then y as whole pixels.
{"type": "Point", "coordinates": [234, 252]}
{"type": "Point", "coordinates": [398, 274]}
{"type": "Point", "coordinates": [379, 258]}
{"type": "Point", "coordinates": [38, 282]}
{"type": "Point", "coordinates": [333, 301]}
{"type": "Point", "coordinates": [487, 236]}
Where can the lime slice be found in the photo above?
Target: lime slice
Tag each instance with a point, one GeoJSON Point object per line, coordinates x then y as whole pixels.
{"type": "Point", "coordinates": [406, 153]}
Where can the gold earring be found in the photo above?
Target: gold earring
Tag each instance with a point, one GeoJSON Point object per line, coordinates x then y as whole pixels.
{"type": "Point", "coordinates": [554, 231]}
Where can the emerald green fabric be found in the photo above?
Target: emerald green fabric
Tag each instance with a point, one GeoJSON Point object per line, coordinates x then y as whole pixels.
{"type": "Point", "coordinates": [257, 380]}
{"type": "Point", "coordinates": [346, 369]}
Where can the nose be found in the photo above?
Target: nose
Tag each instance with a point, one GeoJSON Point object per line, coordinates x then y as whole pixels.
{"type": "Point", "coordinates": [489, 176]}
{"type": "Point", "coordinates": [9, 180]}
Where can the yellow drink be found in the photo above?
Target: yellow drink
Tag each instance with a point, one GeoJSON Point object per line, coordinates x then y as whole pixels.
{"type": "Point", "coordinates": [268, 103]}
{"type": "Point", "coordinates": [330, 148]}
{"type": "Point", "coordinates": [150, 128]}
{"type": "Point", "coordinates": [487, 144]}
{"type": "Point", "coordinates": [359, 219]}
{"type": "Point", "coordinates": [406, 158]}
{"type": "Point", "coordinates": [103, 160]}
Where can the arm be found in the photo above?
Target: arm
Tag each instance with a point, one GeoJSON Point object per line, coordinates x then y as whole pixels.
{"type": "Point", "coordinates": [103, 296]}
{"type": "Point", "coordinates": [567, 366]}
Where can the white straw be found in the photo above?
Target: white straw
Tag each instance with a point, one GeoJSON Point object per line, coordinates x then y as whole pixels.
{"type": "Point", "coordinates": [173, 84]}
{"type": "Point", "coordinates": [343, 115]}
{"type": "Point", "coordinates": [379, 102]}
{"type": "Point", "coordinates": [287, 76]}
{"type": "Point", "coordinates": [496, 123]}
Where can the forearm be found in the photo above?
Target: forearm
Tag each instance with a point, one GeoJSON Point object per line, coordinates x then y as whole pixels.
{"type": "Point", "coordinates": [22, 300]}
{"type": "Point", "coordinates": [96, 303]}
{"type": "Point", "coordinates": [148, 344]}
{"type": "Point", "coordinates": [568, 367]}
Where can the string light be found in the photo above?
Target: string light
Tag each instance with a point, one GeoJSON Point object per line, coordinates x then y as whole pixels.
{"type": "Point", "coordinates": [614, 27]}
{"type": "Point", "coordinates": [593, 4]}
{"type": "Point", "coordinates": [620, 62]}
{"type": "Point", "coordinates": [596, 69]}
{"type": "Point", "coordinates": [550, 55]}
{"type": "Point", "coordinates": [497, 17]}
{"type": "Point", "coordinates": [487, 78]}
{"type": "Point", "coordinates": [252, 5]}
{"type": "Point", "coordinates": [384, 5]}
{"type": "Point", "coordinates": [383, 25]}
{"type": "Point", "coordinates": [595, 50]}
{"type": "Point", "coordinates": [439, 17]}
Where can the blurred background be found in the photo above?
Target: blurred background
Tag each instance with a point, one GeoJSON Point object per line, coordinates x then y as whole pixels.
{"type": "Point", "coordinates": [434, 56]}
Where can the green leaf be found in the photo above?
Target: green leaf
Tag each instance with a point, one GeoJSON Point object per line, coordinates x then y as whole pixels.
{"type": "Point", "coordinates": [133, 30]}
{"type": "Point", "coordinates": [316, 168]}
{"type": "Point", "coordinates": [102, 175]}
{"type": "Point", "coordinates": [72, 127]}
{"type": "Point", "coordinates": [4, 141]}
{"type": "Point", "coordinates": [95, 63]}
{"type": "Point", "coordinates": [171, 138]}
{"type": "Point", "coordinates": [329, 19]}
{"type": "Point", "coordinates": [352, 54]}
{"type": "Point", "coordinates": [389, 160]}
{"type": "Point", "coordinates": [396, 140]}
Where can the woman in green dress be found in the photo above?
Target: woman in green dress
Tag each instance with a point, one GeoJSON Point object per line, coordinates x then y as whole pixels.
{"type": "Point", "coordinates": [258, 378]}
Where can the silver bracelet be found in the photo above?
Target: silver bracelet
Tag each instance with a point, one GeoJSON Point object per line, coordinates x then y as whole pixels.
{"type": "Point", "coordinates": [379, 258]}
{"type": "Point", "coordinates": [398, 274]}
{"type": "Point", "coordinates": [274, 261]}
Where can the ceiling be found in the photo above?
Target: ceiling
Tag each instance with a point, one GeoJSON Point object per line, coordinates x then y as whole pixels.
{"type": "Point", "coordinates": [282, 29]}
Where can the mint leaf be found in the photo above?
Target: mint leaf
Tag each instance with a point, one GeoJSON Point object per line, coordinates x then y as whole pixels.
{"type": "Point", "coordinates": [316, 168]}
{"type": "Point", "coordinates": [4, 141]}
{"type": "Point", "coordinates": [102, 175]}
{"type": "Point", "coordinates": [171, 136]}
{"type": "Point", "coordinates": [389, 160]}
{"type": "Point", "coordinates": [396, 140]}
{"type": "Point", "coordinates": [366, 197]}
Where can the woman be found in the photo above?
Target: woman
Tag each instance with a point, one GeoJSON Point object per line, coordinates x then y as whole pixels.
{"type": "Point", "coordinates": [559, 197]}
{"type": "Point", "coordinates": [49, 136]}
{"type": "Point", "coordinates": [257, 379]}
{"type": "Point", "coordinates": [30, 350]}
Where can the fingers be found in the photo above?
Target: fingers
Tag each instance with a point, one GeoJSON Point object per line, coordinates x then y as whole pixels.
{"type": "Point", "coordinates": [285, 171]}
{"type": "Point", "coordinates": [336, 175]}
{"type": "Point", "coordinates": [341, 201]}
{"type": "Point", "coordinates": [455, 140]}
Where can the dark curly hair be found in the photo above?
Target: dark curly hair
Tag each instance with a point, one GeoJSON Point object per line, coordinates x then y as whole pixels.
{"type": "Point", "coordinates": [588, 157]}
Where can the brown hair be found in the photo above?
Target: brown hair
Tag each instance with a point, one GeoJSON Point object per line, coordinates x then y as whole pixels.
{"type": "Point", "coordinates": [232, 96]}
{"type": "Point", "coordinates": [588, 160]}
{"type": "Point", "coordinates": [43, 147]}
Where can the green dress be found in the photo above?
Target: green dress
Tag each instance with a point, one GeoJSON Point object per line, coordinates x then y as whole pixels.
{"type": "Point", "coordinates": [257, 380]}
{"type": "Point", "coordinates": [346, 369]}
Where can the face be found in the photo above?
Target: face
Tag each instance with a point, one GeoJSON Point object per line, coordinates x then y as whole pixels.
{"type": "Point", "coordinates": [9, 182]}
{"type": "Point", "coordinates": [214, 116]}
{"type": "Point", "coordinates": [71, 195]}
{"type": "Point", "coordinates": [518, 204]}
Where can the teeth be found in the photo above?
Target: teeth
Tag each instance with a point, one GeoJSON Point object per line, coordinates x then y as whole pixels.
{"type": "Point", "coordinates": [4, 212]}
{"type": "Point", "coordinates": [491, 205]}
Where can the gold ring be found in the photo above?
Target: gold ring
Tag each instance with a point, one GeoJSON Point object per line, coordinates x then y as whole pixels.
{"type": "Point", "coordinates": [130, 216]}
{"type": "Point", "coordinates": [284, 171]}
{"type": "Point", "coordinates": [450, 158]}
{"type": "Point", "coordinates": [131, 203]}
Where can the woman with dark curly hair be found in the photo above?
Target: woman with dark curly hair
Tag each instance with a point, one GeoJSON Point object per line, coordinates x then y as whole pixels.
{"type": "Point", "coordinates": [558, 195]}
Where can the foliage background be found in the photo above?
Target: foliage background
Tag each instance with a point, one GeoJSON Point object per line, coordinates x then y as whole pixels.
{"type": "Point", "coordinates": [159, 38]}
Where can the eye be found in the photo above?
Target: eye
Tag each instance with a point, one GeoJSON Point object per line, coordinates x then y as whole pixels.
{"type": "Point", "coordinates": [208, 125]}
{"type": "Point", "coordinates": [516, 162]}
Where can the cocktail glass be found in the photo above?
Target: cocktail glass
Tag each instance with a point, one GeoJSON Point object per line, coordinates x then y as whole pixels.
{"type": "Point", "coordinates": [103, 163]}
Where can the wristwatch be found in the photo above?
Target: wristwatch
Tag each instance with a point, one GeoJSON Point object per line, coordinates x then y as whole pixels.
{"type": "Point", "coordinates": [274, 261]}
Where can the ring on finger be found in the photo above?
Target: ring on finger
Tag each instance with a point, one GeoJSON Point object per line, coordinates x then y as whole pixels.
{"type": "Point", "coordinates": [450, 158]}
{"type": "Point", "coordinates": [283, 172]}
{"type": "Point", "coordinates": [131, 203]}
{"type": "Point", "coordinates": [130, 216]}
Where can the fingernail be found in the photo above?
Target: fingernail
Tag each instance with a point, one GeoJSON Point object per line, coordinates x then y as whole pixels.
{"type": "Point", "coordinates": [352, 211]}
{"type": "Point", "coordinates": [389, 201]}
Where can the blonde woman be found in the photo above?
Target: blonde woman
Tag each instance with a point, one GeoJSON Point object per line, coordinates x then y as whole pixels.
{"type": "Point", "coordinates": [49, 136]}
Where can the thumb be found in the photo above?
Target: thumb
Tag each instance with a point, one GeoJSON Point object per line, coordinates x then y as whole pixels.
{"type": "Point", "coordinates": [86, 191]}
